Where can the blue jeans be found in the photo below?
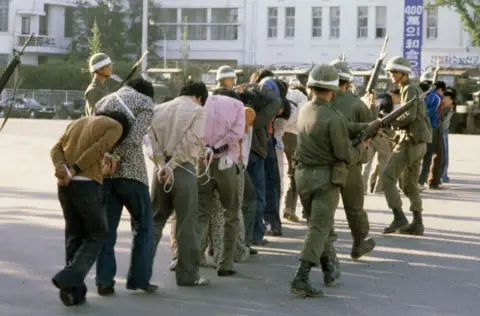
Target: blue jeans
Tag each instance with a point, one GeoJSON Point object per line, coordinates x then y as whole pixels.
{"type": "Point", "coordinates": [271, 213]}
{"type": "Point", "coordinates": [256, 171]}
{"type": "Point", "coordinates": [135, 197]}
{"type": "Point", "coordinates": [445, 146]}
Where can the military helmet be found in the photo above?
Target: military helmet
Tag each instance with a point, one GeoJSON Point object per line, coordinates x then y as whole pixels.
{"type": "Point", "coordinates": [323, 76]}
{"type": "Point", "coordinates": [225, 72]}
{"type": "Point", "coordinates": [343, 72]}
{"type": "Point", "coordinates": [427, 76]}
{"type": "Point", "coordinates": [98, 61]}
{"type": "Point", "coordinates": [400, 64]}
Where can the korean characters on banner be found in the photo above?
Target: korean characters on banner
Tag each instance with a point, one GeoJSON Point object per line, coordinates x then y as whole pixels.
{"type": "Point", "coordinates": [413, 34]}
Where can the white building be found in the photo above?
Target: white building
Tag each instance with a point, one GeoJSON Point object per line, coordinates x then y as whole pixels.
{"type": "Point", "coordinates": [254, 32]}
{"type": "Point", "coordinates": [19, 18]}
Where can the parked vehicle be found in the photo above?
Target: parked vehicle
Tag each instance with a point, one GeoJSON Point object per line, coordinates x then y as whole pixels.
{"type": "Point", "coordinates": [71, 109]}
{"type": "Point", "coordinates": [26, 108]}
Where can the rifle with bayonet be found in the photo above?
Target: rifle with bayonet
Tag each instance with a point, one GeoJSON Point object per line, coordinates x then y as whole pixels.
{"type": "Point", "coordinates": [372, 82]}
{"type": "Point", "coordinates": [343, 56]}
{"type": "Point", "coordinates": [133, 70]}
{"type": "Point", "coordinates": [7, 74]}
{"type": "Point", "coordinates": [372, 129]}
{"type": "Point", "coordinates": [434, 79]}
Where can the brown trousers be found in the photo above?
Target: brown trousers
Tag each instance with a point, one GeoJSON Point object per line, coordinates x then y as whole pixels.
{"type": "Point", "coordinates": [438, 161]}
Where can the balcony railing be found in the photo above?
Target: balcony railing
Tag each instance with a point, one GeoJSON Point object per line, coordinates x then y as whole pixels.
{"type": "Point", "coordinates": [44, 41]}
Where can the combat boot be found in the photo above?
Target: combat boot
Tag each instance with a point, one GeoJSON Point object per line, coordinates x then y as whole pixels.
{"type": "Point", "coordinates": [301, 284]}
{"type": "Point", "coordinates": [416, 227]}
{"type": "Point", "coordinates": [337, 267]}
{"type": "Point", "coordinates": [399, 222]}
{"type": "Point", "coordinates": [328, 269]}
{"type": "Point", "coordinates": [362, 247]}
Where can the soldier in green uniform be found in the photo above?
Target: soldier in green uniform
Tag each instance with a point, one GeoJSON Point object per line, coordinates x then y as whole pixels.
{"type": "Point", "coordinates": [353, 110]}
{"type": "Point", "coordinates": [226, 77]}
{"type": "Point", "coordinates": [100, 66]}
{"type": "Point", "coordinates": [324, 151]}
{"type": "Point", "coordinates": [414, 130]}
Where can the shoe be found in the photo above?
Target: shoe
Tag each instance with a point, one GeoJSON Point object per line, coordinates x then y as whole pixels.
{"type": "Point", "coordinates": [253, 251]}
{"type": "Point", "coordinates": [173, 265]}
{"type": "Point", "coordinates": [399, 222]}
{"type": "Point", "coordinates": [362, 247]}
{"type": "Point", "coordinates": [434, 187]}
{"type": "Point", "coordinates": [262, 242]}
{"type": "Point", "coordinates": [105, 290]}
{"type": "Point", "coordinates": [446, 180]}
{"type": "Point", "coordinates": [274, 232]}
{"type": "Point", "coordinates": [416, 227]}
{"type": "Point", "coordinates": [224, 273]}
{"type": "Point", "coordinates": [201, 281]}
{"type": "Point", "coordinates": [301, 284]}
{"type": "Point", "coordinates": [291, 217]}
{"type": "Point", "coordinates": [328, 268]}
{"type": "Point", "coordinates": [151, 288]}
{"type": "Point", "coordinates": [74, 296]}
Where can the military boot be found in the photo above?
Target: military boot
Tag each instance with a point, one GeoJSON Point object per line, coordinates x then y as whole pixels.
{"type": "Point", "coordinates": [337, 267]}
{"type": "Point", "coordinates": [416, 227]}
{"type": "Point", "coordinates": [328, 268]}
{"type": "Point", "coordinates": [301, 284]}
{"type": "Point", "coordinates": [362, 247]}
{"type": "Point", "coordinates": [399, 222]}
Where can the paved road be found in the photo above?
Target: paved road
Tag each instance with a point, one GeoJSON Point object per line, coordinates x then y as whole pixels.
{"type": "Point", "coordinates": [437, 274]}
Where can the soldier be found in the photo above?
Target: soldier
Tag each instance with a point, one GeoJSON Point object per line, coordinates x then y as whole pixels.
{"type": "Point", "coordinates": [323, 153]}
{"type": "Point", "coordinates": [101, 67]}
{"type": "Point", "coordinates": [414, 131]}
{"type": "Point", "coordinates": [354, 110]}
{"type": "Point", "coordinates": [226, 77]}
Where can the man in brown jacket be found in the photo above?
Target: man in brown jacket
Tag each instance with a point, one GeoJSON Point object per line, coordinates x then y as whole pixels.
{"type": "Point", "coordinates": [77, 157]}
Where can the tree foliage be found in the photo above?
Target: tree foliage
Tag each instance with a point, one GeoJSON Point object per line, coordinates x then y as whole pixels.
{"type": "Point", "coordinates": [469, 11]}
{"type": "Point", "coordinates": [94, 41]}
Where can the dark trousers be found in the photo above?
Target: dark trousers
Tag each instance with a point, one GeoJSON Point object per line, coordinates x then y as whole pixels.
{"type": "Point", "coordinates": [427, 160]}
{"type": "Point", "coordinates": [256, 171]}
{"type": "Point", "coordinates": [438, 163]}
{"type": "Point", "coordinates": [183, 199]}
{"type": "Point", "coordinates": [249, 206]}
{"type": "Point", "coordinates": [85, 230]}
{"type": "Point", "coordinates": [291, 196]}
{"type": "Point", "coordinates": [271, 214]}
{"type": "Point", "coordinates": [135, 197]}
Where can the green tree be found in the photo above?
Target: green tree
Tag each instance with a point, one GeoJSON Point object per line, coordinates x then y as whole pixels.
{"type": "Point", "coordinates": [469, 11]}
{"type": "Point", "coordinates": [94, 41]}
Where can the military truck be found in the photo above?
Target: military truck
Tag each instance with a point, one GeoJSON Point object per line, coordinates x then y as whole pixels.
{"type": "Point", "coordinates": [210, 78]}
{"type": "Point", "coordinates": [166, 82]}
{"type": "Point", "coordinates": [361, 75]}
{"type": "Point", "coordinates": [465, 80]}
{"type": "Point", "coordinates": [299, 74]}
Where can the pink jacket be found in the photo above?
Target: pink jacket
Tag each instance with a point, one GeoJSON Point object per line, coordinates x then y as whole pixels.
{"type": "Point", "coordinates": [225, 124]}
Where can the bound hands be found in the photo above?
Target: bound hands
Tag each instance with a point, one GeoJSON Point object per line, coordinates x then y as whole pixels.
{"type": "Point", "coordinates": [164, 175]}
{"type": "Point", "coordinates": [109, 165]}
{"type": "Point", "coordinates": [64, 174]}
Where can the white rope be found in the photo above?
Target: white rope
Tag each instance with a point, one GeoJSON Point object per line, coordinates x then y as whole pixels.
{"type": "Point", "coordinates": [208, 154]}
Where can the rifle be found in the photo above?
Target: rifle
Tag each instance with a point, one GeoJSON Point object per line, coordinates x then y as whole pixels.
{"type": "Point", "coordinates": [372, 82]}
{"type": "Point", "coordinates": [372, 129]}
{"type": "Point", "coordinates": [434, 79]}
{"type": "Point", "coordinates": [343, 56]}
{"type": "Point", "coordinates": [133, 70]}
{"type": "Point", "coordinates": [7, 74]}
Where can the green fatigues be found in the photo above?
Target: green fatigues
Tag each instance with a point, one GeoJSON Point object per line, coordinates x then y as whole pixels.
{"type": "Point", "coordinates": [414, 130]}
{"type": "Point", "coordinates": [183, 199]}
{"type": "Point", "coordinates": [95, 91]}
{"type": "Point", "coordinates": [225, 182]}
{"type": "Point", "coordinates": [323, 152]}
{"type": "Point", "coordinates": [355, 111]}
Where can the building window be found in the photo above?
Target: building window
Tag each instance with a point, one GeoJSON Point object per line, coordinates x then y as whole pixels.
{"type": "Point", "coordinates": [362, 22]}
{"type": "Point", "coordinates": [4, 15]}
{"type": "Point", "coordinates": [432, 22]}
{"type": "Point", "coordinates": [25, 26]}
{"type": "Point", "coordinates": [168, 21]}
{"type": "Point", "coordinates": [272, 22]}
{"type": "Point", "coordinates": [196, 20]}
{"type": "Point", "coordinates": [224, 24]}
{"type": "Point", "coordinates": [43, 24]}
{"type": "Point", "coordinates": [69, 22]}
{"type": "Point", "coordinates": [316, 22]}
{"type": "Point", "coordinates": [381, 22]}
{"type": "Point", "coordinates": [335, 22]}
{"type": "Point", "coordinates": [290, 22]}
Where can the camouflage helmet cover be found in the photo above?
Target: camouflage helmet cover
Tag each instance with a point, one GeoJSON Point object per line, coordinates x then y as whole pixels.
{"type": "Point", "coordinates": [226, 72]}
{"type": "Point", "coordinates": [323, 76]}
{"type": "Point", "coordinates": [343, 72]}
{"type": "Point", "coordinates": [400, 64]}
{"type": "Point", "coordinates": [98, 61]}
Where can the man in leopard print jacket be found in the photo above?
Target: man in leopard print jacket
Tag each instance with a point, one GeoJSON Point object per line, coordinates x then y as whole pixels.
{"type": "Point", "coordinates": [128, 187]}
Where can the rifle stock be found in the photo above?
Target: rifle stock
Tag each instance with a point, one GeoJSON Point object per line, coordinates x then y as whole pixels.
{"type": "Point", "coordinates": [372, 82]}
{"type": "Point", "coordinates": [373, 127]}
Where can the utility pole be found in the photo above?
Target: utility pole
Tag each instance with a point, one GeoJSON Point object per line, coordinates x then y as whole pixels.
{"type": "Point", "coordinates": [145, 35]}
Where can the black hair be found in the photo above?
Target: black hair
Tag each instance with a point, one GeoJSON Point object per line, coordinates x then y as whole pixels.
{"type": "Point", "coordinates": [440, 85]}
{"type": "Point", "coordinates": [194, 89]}
{"type": "Point", "coordinates": [120, 118]}
{"type": "Point", "coordinates": [258, 75]}
{"type": "Point", "coordinates": [341, 82]}
{"type": "Point", "coordinates": [227, 92]}
{"type": "Point", "coordinates": [319, 90]}
{"type": "Point", "coordinates": [395, 91]}
{"type": "Point", "coordinates": [424, 86]}
{"type": "Point", "coordinates": [386, 106]}
{"type": "Point", "coordinates": [300, 88]}
{"type": "Point", "coordinates": [450, 92]}
{"type": "Point", "coordinates": [142, 86]}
